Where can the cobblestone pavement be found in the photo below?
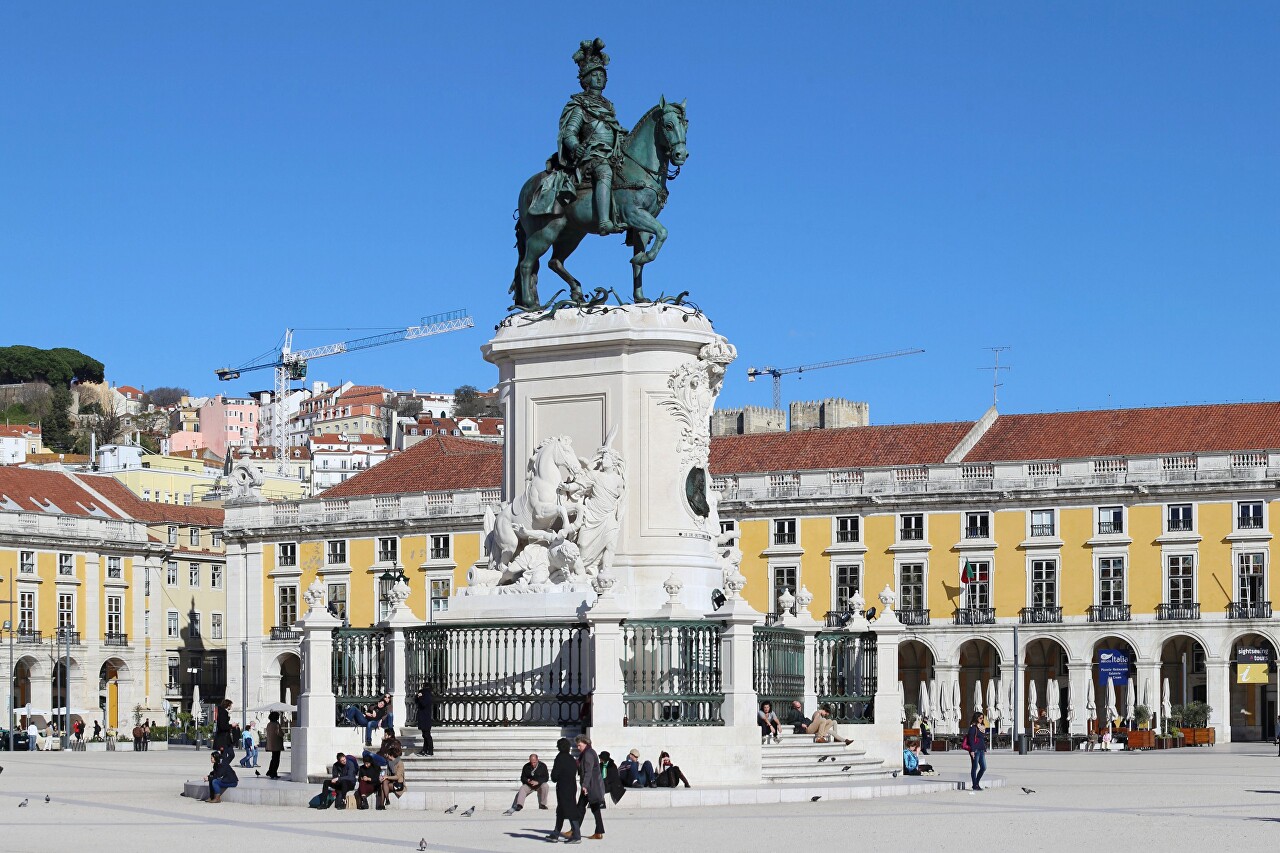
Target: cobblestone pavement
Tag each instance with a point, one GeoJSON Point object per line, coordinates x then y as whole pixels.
{"type": "Point", "coordinates": [1226, 796]}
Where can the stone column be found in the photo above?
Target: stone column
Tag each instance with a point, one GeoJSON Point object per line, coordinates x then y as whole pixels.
{"type": "Point", "coordinates": [1148, 672]}
{"type": "Point", "coordinates": [736, 642]}
{"type": "Point", "coordinates": [1218, 694]}
{"type": "Point", "coordinates": [397, 663]}
{"type": "Point", "coordinates": [607, 653]}
{"type": "Point", "coordinates": [888, 707]}
{"type": "Point", "coordinates": [318, 738]}
{"type": "Point", "coordinates": [1079, 675]}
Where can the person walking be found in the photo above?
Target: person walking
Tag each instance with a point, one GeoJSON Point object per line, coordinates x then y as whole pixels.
{"type": "Point", "coordinates": [274, 741]}
{"type": "Point", "coordinates": [975, 741]}
{"type": "Point", "coordinates": [247, 744]}
{"type": "Point", "coordinates": [222, 726]}
{"type": "Point", "coordinates": [425, 704]}
{"type": "Point", "coordinates": [33, 737]}
{"type": "Point", "coordinates": [564, 775]}
{"type": "Point", "coordinates": [97, 729]}
{"type": "Point", "coordinates": [592, 784]}
{"type": "Point", "coordinates": [926, 735]}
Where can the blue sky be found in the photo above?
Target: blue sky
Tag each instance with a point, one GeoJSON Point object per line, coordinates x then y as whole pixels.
{"type": "Point", "coordinates": [1092, 184]}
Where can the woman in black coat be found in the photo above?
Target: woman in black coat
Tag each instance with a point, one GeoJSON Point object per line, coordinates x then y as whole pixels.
{"type": "Point", "coordinates": [222, 725]}
{"type": "Point", "coordinates": [564, 773]}
{"type": "Point", "coordinates": [425, 705]}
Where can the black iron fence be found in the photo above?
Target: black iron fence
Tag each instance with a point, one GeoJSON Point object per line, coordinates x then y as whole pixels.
{"type": "Point", "coordinates": [359, 668]}
{"type": "Point", "coordinates": [845, 675]}
{"type": "Point", "coordinates": [777, 667]}
{"type": "Point", "coordinates": [508, 674]}
{"type": "Point", "coordinates": [671, 673]}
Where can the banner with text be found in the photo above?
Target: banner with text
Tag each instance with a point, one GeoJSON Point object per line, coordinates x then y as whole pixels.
{"type": "Point", "coordinates": [1113, 666]}
{"type": "Point", "coordinates": [1253, 665]}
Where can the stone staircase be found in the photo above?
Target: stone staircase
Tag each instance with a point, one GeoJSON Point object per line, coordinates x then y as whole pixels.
{"type": "Point", "coordinates": [477, 757]}
{"type": "Point", "coordinates": [795, 759]}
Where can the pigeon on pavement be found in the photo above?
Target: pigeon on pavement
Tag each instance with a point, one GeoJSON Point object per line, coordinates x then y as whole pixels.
{"type": "Point", "coordinates": [815, 798]}
{"type": "Point", "coordinates": [422, 845]}
{"type": "Point", "coordinates": [1027, 791]}
{"type": "Point", "coordinates": [21, 804]}
{"type": "Point", "coordinates": [453, 808]}
{"type": "Point", "coordinates": [469, 812]}
{"type": "Point", "coordinates": [46, 798]}
{"type": "Point", "coordinates": [845, 769]}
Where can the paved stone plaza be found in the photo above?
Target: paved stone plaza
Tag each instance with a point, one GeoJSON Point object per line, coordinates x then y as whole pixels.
{"type": "Point", "coordinates": [1228, 796]}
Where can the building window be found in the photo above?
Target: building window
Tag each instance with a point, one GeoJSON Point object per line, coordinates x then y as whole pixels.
{"type": "Point", "coordinates": [66, 564]}
{"type": "Point", "coordinates": [67, 610]}
{"type": "Point", "coordinates": [146, 583]}
{"type": "Point", "coordinates": [288, 609]}
{"type": "Point", "coordinates": [26, 611]}
{"type": "Point", "coordinates": [784, 531]}
{"type": "Point", "coordinates": [337, 551]}
{"type": "Point", "coordinates": [441, 589]}
{"type": "Point", "coordinates": [847, 529]}
{"type": "Point", "coordinates": [113, 568]}
{"type": "Point", "coordinates": [1110, 520]}
{"type": "Point", "coordinates": [1179, 517]}
{"type": "Point", "coordinates": [27, 562]}
{"type": "Point", "coordinates": [115, 614]}
{"type": "Point", "coordinates": [173, 535]}
{"type": "Point", "coordinates": [195, 537]}
{"type": "Point", "coordinates": [1044, 583]}
{"type": "Point", "coordinates": [440, 547]}
{"type": "Point", "coordinates": [288, 554]}
{"type": "Point", "coordinates": [193, 619]}
{"type": "Point", "coordinates": [216, 625]}
{"type": "Point", "coordinates": [1111, 581]}
{"type": "Point", "coordinates": [785, 578]}
{"type": "Point", "coordinates": [1252, 587]}
{"type": "Point", "coordinates": [977, 525]}
{"type": "Point", "coordinates": [337, 595]}
{"type": "Point", "coordinates": [911, 586]}
{"type": "Point", "coordinates": [911, 528]}
{"type": "Point", "coordinates": [193, 575]}
{"type": "Point", "coordinates": [171, 573]}
{"type": "Point", "coordinates": [977, 592]}
{"type": "Point", "coordinates": [216, 538]}
{"type": "Point", "coordinates": [1249, 516]}
{"type": "Point", "coordinates": [173, 664]}
{"type": "Point", "coordinates": [1042, 522]}
{"type": "Point", "coordinates": [388, 550]}
{"type": "Point", "coordinates": [215, 576]}
{"type": "Point", "coordinates": [728, 525]}
{"type": "Point", "coordinates": [848, 582]}
{"type": "Point", "coordinates": [1182, 579]}
{"type": "Point", "coordinates": [171, 624]}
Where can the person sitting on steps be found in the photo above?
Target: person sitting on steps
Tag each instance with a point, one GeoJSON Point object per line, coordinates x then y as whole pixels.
{"type": "Point", "coordinates": [768, 722]}
{"type": "Point", "coordinates": [669, 775]}
{"type": "Point", "coordinates": [634, 774]}
{"type": "Point", "coordinates": [342, 779]}
{"type": "Point", "coordinates": [823, 728]}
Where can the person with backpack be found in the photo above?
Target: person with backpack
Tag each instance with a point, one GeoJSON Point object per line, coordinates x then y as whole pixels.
{"type": "Point", "coordinates": [975, 743]}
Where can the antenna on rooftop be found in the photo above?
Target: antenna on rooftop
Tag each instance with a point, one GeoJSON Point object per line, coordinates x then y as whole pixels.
{"type": "Point", "coordinates": [995, 369]}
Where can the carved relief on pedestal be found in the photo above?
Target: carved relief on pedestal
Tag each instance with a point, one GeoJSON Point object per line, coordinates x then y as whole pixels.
{"type": "Point", "coordinates": [694, 386]}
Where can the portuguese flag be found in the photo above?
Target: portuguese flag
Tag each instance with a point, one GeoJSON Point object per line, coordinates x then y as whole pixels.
{"type": "Point", "coordinates": [967, 575]}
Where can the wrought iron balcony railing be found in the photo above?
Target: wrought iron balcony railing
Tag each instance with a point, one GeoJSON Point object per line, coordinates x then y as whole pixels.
{"type": "Point", "coordinates": [1106, 527]}
{"type": "Point", "coordinates": [1189, 610]}
{"type": "Point", "coordinates": [975, 616]}
{"type": "Point", "coordinates": [1042, 530]}
{"type": "Point", "coordinates": [1040, 615]}
{"type": "Point", "coordinates": [27, 635]}
{"type": "Point", "coordinates": [281, 632]}
{"type": "Point", "coordinates": [1109, 613]}
{"type": "Point", "coordinates": [913, 616]}
{"type": "Point", "coordinates": [1249, 610]}
{"type": "Point", "coordinates": [1249, 522]}
{"type": "Point", "coordinates": [65, 635]}
{"type": "Point", "coordinates": [911, 534]}
{"type": "Point", "coordinates": [1179, 524]}
{"type": "Point", "coordinates": [977, 533]}
{"type": "Point", "coordinates": [113, 638]}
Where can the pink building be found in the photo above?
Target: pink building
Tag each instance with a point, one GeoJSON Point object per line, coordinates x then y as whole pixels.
{"type": "Point", "coordinates": [224, 421]}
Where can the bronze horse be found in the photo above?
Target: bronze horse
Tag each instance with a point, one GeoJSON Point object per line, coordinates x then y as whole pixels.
{"type": "Point", "coordinates": [654, 144]}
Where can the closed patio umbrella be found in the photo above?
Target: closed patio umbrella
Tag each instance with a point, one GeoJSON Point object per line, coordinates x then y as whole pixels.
{"type": "Point", "coordinates": [1032, 704]}
{"type": "Point", "coordinates": [1166, 708]}
{"type": "Point", "coordinates": [940, 696]}
{"type": "Point", "coordinates": [1109, 711]}
{"type": "Point", "coordinates": [993, 701]}
{"type": "Point", "coordinates": [978, 702]}
{"type": "Point", "coordinates": [933, 706]}
{"type": "Point", "coordinates": [1147, 698]}
{"type": "Point", "coordinates": [1129, 701]}
{"type": "Point", "coordinates": [1071, 708]}
{"type": "Point", "coordinates": [902, 700]}
{"type": "Point", "coordinates": [1090, 703]}
{"type": "Point", "coordinates": [924, 699]}
{"type": "Point", "coordinates": [955, 703]}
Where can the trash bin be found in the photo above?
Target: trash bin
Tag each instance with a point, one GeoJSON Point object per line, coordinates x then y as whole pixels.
{"type": "Point", "coordinates": [1024, 744]}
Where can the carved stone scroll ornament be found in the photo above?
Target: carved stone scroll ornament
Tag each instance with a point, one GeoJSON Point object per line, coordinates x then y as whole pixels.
{"type": "Point", "coordinates": [694, 386]}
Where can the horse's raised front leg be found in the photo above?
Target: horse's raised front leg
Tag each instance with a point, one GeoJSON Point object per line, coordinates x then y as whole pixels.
{"type": "Point", "coordinates": [560, 252]}
{"type": "Point", "coordinates": [643, 220]}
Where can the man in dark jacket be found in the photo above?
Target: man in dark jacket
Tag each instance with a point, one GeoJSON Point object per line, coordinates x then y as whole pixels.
{"type": "Point", "coordinates": [532, 778]}
{"type": "Point", "coordinates": [342, 778]}
{"type": "Point", "coordinates": [612, 779]}
{"type": "Point", "coordinates": [425, 704]}
{"type": "Point", "coordinates": [221, 777]}
{"type": "Point", "coordinates": [222, 737]}
{"type": "Point", "coordinates": [592, 784]}
{"type": "Point", "coordinates": [564, 773]}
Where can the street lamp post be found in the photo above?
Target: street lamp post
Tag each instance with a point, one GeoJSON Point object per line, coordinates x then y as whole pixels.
{"type": "Point", "coordinates": [13, 681]}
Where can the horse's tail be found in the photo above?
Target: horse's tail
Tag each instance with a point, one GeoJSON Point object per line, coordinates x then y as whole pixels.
{"type": "Point", "coordinates": [521, 242]}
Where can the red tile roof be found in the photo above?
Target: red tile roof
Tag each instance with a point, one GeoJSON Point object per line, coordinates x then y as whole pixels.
{"type": "Point", "coordinates": [32, 488]}
{"type": "Point", "coordinates": [149, 511]}
{"type": "Point", "coordinates": [363, 438]}
{"type": "Point", "coordinates": [1131, 432]}
{"type": "Point", "coordinates": [436, 464]}
{"type": "Point", "coordinates": [19, 431]}
{"type": "Point", "coordinates": [851, 447]}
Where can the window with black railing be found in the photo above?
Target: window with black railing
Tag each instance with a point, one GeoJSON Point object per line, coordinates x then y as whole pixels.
{"type": "Point", "coordinates": [440, 547]}
{"type": "Point", "coordinates": [848, 529]}
{"type": "Point", "coordinates": [784, 531]}
{"type": "Point", "coordinates": [913, 616]}
{"type": "Point", "coordinates": [911, 528]}
{"type": "Point", "coordinates": [1249, 515]}
{"type": "Point", "coordinates": [1180, 610]}
{"type": "Point", "coordinates": [115, 638]}
{"type": "Point", "coordinates": [1179, 518]}
{"type": "Point", "coordinates": [1109, 613]}
{"type": "Point", "coordinates": [1110, 520]}
{"type": "Point", "coordinates": [1249, 610]}
{"type": "Point", "coordinates": [1040, 615]}
{"type": "Point", "coordinates": [1042, 522]}
{"type": "Point", "coordinates": [977, 525]}
{"type": "Point", "coordinates": [975, 616]}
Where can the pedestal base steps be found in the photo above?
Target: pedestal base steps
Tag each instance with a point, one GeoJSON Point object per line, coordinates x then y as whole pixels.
{"type": "Point", "coordinates": [479, 757]}
{"type": "Point", "coordinates": [796, 759]}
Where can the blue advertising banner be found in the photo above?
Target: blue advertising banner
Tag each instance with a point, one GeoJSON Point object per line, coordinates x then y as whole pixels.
{"type": "Point", "coordinates": [1113, 666]}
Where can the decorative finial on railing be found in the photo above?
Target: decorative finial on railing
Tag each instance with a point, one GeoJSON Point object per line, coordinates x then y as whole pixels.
{"type": "Point", "coordinates": [673, 585]}
{"type": "Point", "coordinates": [786, 601]}
{"type": "Point", "coordinates": [888, 597]}
{"type": "Point", "coordinates": [804, 598]}
{"type": "Point", "coordinates": [314, 595]}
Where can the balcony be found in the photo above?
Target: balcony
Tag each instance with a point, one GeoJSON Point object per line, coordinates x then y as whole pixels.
{"type": "Point", "coordinates": [975, 616]}
{"type": "Point", "coordinates": [977, 533]}
{"type": "Point", "coordinates": [1165, 612]}
{"type": "Point", "coordinates": [1109, 613]}
{"type": "Point", "coordinates": [1042, 530]}
{"type": "Point", "coordinates": [1249, 610]}
{"type": "Point", "coordinates": [911, 534]}
{"type": "Point", "coordinates": [27, 635]}
{"type": "Point", "coordinates": [114, 638]}
{"type": "Point", "coordinates": [1249, 522]}
{"type": "Point", "coordinates": [913, 616]}
{"type": "Point", "coordinates": [1040, 615]}
{"type": "Point", "coordinates": [279, 632]}
{"type": "Point", "coordinates": [1179, 525]}
{"type": "Point", "coordinates": [439, 553]}
{"type": "Point", "coordinates": [1110, 527]}
{"type": "Point", "coordinates": [65, 635]}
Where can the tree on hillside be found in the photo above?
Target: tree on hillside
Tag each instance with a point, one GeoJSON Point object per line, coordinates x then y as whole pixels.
{"type": "Point", "coordinates": [469, 402]}
{"type": "Point", "coordinates": [408, 407]}
{"type": "Point", "coordinates": [165, 395]}
{"type": "Point", "coordinates": [56, 426]}
{"type": "Point", "coordinates": [20, 363]}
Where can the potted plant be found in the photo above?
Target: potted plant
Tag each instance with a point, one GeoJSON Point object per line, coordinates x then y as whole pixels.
{"type": "Point", "coordinates": [1193, 719]}
{"type": "Point", "coordinates": [912, 713]}
{"type": "Point", "coordinates": [95, 744]}
{"type": "Point", "coordinates": [1141, 736]}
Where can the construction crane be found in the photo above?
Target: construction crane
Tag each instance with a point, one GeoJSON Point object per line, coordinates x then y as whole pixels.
{"type": "Point", "coordinates": [778, 372]}
{"type": "Point", "coordinates": [290, 365]}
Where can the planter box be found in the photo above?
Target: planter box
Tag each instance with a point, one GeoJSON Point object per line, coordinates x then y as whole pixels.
{"type": "Point", "coordinates": [939, 745]}
{"type": "Point", "coordinates": [1061, 744]}
{"type": "Point", "coordinates": [95, 747]}
{"type": "Point", "coordinates": [906, 733]}
{"type": "Point", "coordinates": [1142, 739]}
{"type": "Point", "coordinates": [1200, 737]}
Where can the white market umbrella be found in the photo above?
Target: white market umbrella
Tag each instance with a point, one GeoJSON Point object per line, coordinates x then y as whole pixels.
{"type": "Point", "coordinates": [1090, 703]}
{"type": "Point", "coordinates": [282, 707]}
{"type": "Point", "coordinates": [197, 710]}
{"type": "Point", "coordinates": [977, 695]}
{"type": "Point", "coordinates": [1129, 700]}
{"type": "Point", "coordinates": [955, 703]}
{"type": "Point", "coordinates": [924, 699]}
{"type": "Point", "coordinates": [1071, 708]}
{"type": "Point", "coordinates": [944, 704]}
{"type": "Point", "coordinates": [1147, 700]}
{"type": "Point", "coordinates": [1166, 708]}
{"type": "Point", "coordinates": [902, 701]}
{"type": "Point", "coordinates": [1054, 701]}
{"type": "Point", "coordinates": [1110, 712]}
{"type": "Point", "coordinates": [993, 701]}
{"type": "Point", "coordinates": [933, 705]}
{"type": "Point", "coordinates": [1031, 703]}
